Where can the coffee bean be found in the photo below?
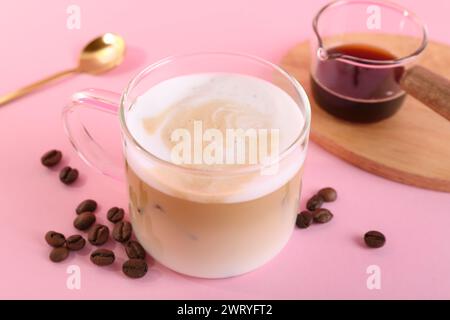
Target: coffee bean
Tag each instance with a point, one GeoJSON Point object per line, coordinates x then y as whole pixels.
{"type": "Point", "coordinates": [322, 215]}
{"type": "Point", "coordinates": [98, 235]}
{"type": "Point", "coordinates": [134, 250]}
{"type": "Point", "coordinates": [328, 194]}
{"type": "Point", "coordinates": [68, 175]}
{"type": "Point", "coordinates": [122, 231]}
{"type": "Point", "coordinates": [374, 239]}
{"type": "Point", "coordinates": [75, 242]}
{"type": "Point", "coordinates": [84, 221]}
{"type": "Point", "coordinates": [315, 202]}
{"type": "Point", "coordinates": [304, 219]}
{"type": "Point", "coordinates": [59, 254]}
{"type": "Point", "coordinates": [55, 239]}
{"type": "Point", "coordinates": [102, 257]}
{"type": "Point", "coordinates": [115, 214]}
{"type": "Point", "coordinates": [51, 158]}
{"type": "Point", "coordinates": [87, 205]}
{"type": "Point", "coordinates": [135, 268]}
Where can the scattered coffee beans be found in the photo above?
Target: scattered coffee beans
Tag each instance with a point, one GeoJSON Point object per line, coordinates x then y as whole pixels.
{"type": "Point", "coordinates": [122, 231]}
{"type": "Point", "coordinates": [98, 235]}
{"type": "Point", "coordinates": [87, 205]}
{"type": "Point", "coordinates": [374, 239]}
{"type": "Point", "coordinates": [304, 219]}
{"type": "Point", "coordinates": [134, 250]}
{"type": "Point", "coordinates": [314, 203]}
{"type": "Point", "coordinates": [322, 215]}
{"type": "Point", "coordinates": [59, 254]}
{"type": "Point", "coordinates": [328, 194]}
{"type": "Point", "coordinates": [135, 268]}
{"type": "Point", "coordinates": [75, 242]}
{"type": "Point", "coordinates": [51, 158]}
{"type": "Point", "coordinates": [55, 239]}
{"type": "Point", "coordinates": [68, 175]}
{"type": "Point", "coordinates": [84, 221]}
{"type": "Point", "coordinates": [115, 214]}
{"type": "Point", "coordinates": [102, 257]}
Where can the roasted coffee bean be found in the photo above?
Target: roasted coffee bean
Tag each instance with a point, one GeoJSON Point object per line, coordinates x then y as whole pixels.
{"type": "Point", "coordinates": [75, 242]}
{"type": "Point", "coordinates": [135, 268]}
{"type": "Point", "coordinates": [98, 235]}
{"type": "Point", "coordinates": [59, 254]}
{"type": "Point", "coordinates": [102, 257]}
{"type": "Point", "coordinates": [84, 221]}
{"type": "Point", "coordinates": [314, 203]}
{"type": "Point", "coordinates": [304, 219]}
{"type": "Point", "coordinates": [68, 175]}
{"type": "Point", "coordinates": [51, 158]}
{"type": "Point", "coordinates": [55, 239]}
{"type": "Point", "coordinates": [87, 205]}
{"type": "Point", "coordinates": [115, 214]}
{"type": "Point", "coordinates": [134, 250]}
{"type": "Point", "coordinates": [374, 239]}
{"type": "Point", "coordinates": [322, 215]}
{"type": "Point", "coordinates": [328, 194]}
{"type": "Point", "coordinates": [122, 231]}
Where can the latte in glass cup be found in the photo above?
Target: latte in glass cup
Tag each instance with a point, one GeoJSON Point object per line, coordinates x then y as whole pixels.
{"type": "Point", "coordinates": [218, 218]}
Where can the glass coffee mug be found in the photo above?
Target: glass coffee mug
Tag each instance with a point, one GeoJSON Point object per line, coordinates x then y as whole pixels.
{"type": "Point", "coordinates": [210, 222]}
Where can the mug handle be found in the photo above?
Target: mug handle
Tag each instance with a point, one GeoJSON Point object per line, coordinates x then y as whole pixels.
{"type": "Point", "coordinates": [86, 146]}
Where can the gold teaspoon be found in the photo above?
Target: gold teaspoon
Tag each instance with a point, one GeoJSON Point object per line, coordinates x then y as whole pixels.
{"type": "Point", "coordinates": [100, 55]}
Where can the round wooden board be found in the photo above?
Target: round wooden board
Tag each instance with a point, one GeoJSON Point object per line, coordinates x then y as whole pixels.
{"type": "Point", "coordinates": [412, 147]}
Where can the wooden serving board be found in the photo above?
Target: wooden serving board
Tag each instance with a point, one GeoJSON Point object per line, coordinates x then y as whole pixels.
{"type": "Point", "coordinates": [411, 147]}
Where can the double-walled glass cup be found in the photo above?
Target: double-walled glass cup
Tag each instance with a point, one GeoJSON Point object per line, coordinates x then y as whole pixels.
{"type": "Point", "coordinates": [200, 221]}
{"type": "Point", "coordinates": [360, 50]}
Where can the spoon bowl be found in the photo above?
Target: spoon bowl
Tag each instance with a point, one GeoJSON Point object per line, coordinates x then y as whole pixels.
{"type": "Point", "coordinates": [102, 54]}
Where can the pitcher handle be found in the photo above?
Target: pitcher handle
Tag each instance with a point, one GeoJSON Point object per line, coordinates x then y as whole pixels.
{"type": "Point", "coordinates": [86, 146]}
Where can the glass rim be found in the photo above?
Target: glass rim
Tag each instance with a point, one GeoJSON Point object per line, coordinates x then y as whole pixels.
{"type": "Point", "coordinates": [300, 91]}
{"type": "Point", "coordinates": [391, 5]}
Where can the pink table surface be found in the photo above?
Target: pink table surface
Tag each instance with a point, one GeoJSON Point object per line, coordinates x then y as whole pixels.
{"type": "Point", "coordinates": [326, 261]}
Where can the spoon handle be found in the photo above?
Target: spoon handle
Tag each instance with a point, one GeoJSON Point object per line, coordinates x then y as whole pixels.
{"type": "Point", "coordinates": [38, 84]}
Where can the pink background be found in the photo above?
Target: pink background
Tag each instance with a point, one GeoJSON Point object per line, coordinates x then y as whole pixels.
{"type": "Point", "coordinates": [326, 261]}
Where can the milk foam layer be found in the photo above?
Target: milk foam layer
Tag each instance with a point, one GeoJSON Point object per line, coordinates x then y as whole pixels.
{"type": "Point", "coordinates": [221, 101]}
